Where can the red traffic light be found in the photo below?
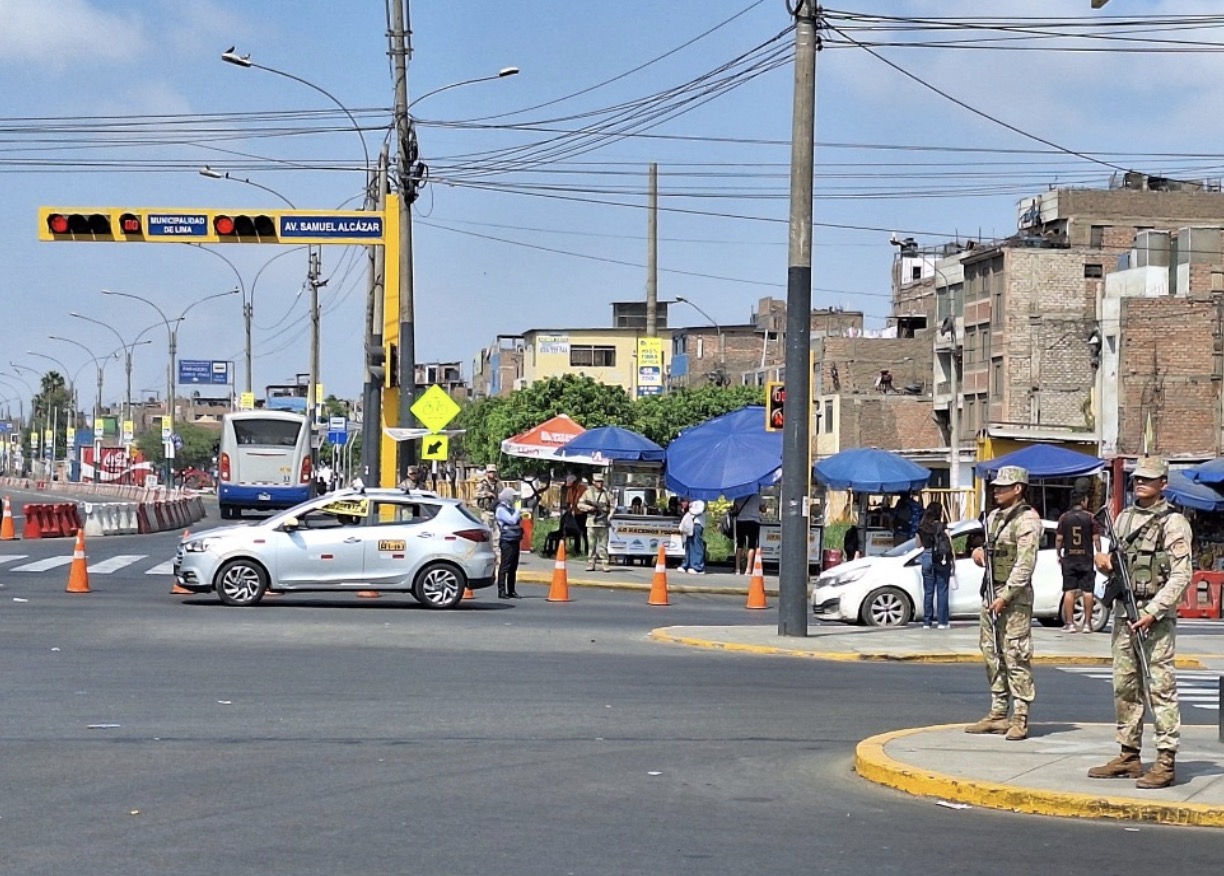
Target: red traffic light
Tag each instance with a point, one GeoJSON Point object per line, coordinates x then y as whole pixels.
{"type": "Point", "coordinates": [58, 223]}
{"type": "Point", "coordinates": [80, 225]}
{"type": "Point", "coordinates": [224, 226]}
{"type": "Point", "coordinates": [244, 227]}
{"type": "Point", "coordinates": [129, 223]}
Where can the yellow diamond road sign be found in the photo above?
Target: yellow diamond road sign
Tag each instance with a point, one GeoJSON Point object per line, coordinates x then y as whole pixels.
{"type": "Point", "coordinates": [435, 409]}
{"type": "Point", "coordinates": [434, 446]}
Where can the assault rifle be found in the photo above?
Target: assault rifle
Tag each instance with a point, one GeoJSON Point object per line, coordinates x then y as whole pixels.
{"type": "Point", "coordinates": [1121, 586]}
{"type": "Point", "coordinates": [990, 592]}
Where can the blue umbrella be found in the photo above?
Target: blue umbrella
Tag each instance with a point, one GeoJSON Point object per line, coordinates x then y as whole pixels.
{"type": "Point", "coordinates": [613, 442]}
{"type": "Point", "coordinates": [1044, 461]}
{"type": "Point", "coordinates": [868, 470]}
{"type": "Point", "coordinates": [1208, 473]}
{"type": "Point", "coordinates": [1181, 490]}
{"type": "Point", "coordinates": [729, 456]}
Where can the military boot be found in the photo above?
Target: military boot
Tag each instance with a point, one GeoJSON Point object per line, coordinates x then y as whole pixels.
{"type": "Point", "coordinates": [1125, 766]}
{"type": "Point", "coordinates": [1161, 774]}
{"type": "Point", "coordinates": [1018, 729]}
{"type": "Point", "coordinates": [992, 723]}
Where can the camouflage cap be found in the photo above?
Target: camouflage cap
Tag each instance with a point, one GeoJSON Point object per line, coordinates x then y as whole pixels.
{"type": "Point", "coordinates": [1151, 467]}
{"type": "Point", "coordinates": [1011, 474]}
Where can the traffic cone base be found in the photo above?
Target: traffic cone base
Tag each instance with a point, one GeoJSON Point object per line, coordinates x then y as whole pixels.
{"type": "Point", "coordinates": [658, 586]}
{"type": "Point", "coordinates": [468, 593]}
{"type": "Point", "coordinates": [78, 575]}
{"type": "Point", "coordinates": [558, 591]}
{"type": "Point", "coordinates": [756, 586]}
{"type": "Point", "coordinates": [7, 531]}
{"type": "Point", "coordinates": [176, 590]}
{"type": "Point", "coordinates": [368, 594]}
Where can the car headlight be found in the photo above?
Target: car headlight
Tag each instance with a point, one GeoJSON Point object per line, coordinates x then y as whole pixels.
{"type": "Point", "coordinates": [837, 580]}
{"type": "Point", "coordinates": [199, 547]}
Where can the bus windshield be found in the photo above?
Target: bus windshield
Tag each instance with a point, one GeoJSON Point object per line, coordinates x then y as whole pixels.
{"type": "Point", "coordinates": [267, 433]}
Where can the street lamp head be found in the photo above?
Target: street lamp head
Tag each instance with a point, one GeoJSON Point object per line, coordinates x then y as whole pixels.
{"type": "Point", "coordinates": [230, 57]}
{"type": "Point", "coordinates": [210, 173]}
{"type": "Point", "coordinates": [507, 71]}
{"type": "Point", "coordinates": [682, 299]}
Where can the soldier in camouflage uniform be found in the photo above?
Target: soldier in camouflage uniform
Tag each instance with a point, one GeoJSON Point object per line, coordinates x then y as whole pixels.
{"type": "Point", "coordinates": [1160, 568]}
{"type": "Point", "coordinates": [486, 501]}
{"type": "Point", "coordinates": [1013, 535]}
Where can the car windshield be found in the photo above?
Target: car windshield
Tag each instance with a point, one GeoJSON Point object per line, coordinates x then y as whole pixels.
{"type": "Point", "coordinates": [902, 549]}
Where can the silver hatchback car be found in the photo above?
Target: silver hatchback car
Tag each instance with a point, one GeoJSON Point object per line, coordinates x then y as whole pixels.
{"type": "Point", "coordinates": [350, 540]}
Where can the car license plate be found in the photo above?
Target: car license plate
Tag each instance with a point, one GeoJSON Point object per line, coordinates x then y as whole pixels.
{"type": "Point", "coordinates": [265, 497]}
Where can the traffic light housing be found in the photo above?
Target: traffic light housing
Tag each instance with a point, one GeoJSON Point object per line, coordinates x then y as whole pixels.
{"type": "Point", "coordinates": [244, 228]}
{"type": "Point", "coordinates": [376, 363]}
{"type": "Point", "coordinates": [392, 365]}
{"type": "Point", "coordinates": [79, 226]}
{"type": "Point", "coordinates": [775, 403]}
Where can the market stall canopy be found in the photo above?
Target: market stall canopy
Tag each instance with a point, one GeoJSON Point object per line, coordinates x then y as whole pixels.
{"type": "Point", "coordinates": [870, 470]}
{"type": "Point", "coordinates": [1211, 472]}
{"type": "Point", "coordinates": [613, 443]}
{"type": "Point", "coordinates": [1044, 461]}
{"type": "Point", "coordinates": [731, 455]}
{"type": "Point", "coordinates": [1181, 490]}
{"type": "Point", "coordinates": [543, 441]}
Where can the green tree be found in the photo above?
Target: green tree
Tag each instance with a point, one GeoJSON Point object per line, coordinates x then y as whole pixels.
{"type": "Point", "coordinates": [662, 417]}
{"type": "Point", "coordinates": [199, 446]}
{"type": "Point", "coordinates": [53, 408]}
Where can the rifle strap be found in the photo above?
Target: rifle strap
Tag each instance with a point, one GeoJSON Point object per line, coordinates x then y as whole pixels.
{"type": "Point", "coordinates": [1142, 530]}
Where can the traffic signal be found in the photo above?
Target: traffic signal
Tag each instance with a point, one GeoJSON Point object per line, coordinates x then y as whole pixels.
{"type": "Point", "coordinates": [376, 363]}
{"type": "Point", "coordinates": [242, 228]}
{"type": "Point", "coordinates": [130, 225]}
{"type": "Point", "coordinates": [392, 365]}
{"type": "Point", "coordinates": [79, 226]}
{"type": "Point", "coordinates": [775, 403]}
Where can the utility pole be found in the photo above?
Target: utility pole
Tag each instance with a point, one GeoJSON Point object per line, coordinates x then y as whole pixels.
{"type": "Point", "coordinates": [652, 255]}
{"type": "Point", "coordinates": [797, 428]}
{"type": "Point", "coordinates": [400, 51]}
{"type": "Point", "coordinates": [371, 408]}
{"type": "Point", "coordinates": [312, 394]}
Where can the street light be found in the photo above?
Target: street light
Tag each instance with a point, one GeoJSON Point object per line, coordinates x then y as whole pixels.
{"type": "Point", "coordinates": [720, 373]}
{"type": "Point", "coordinates": [172, 339]}
{"type": "Point", "coordinates": [97, 404]}
{"type": "Point", "coordinates": [127, 355]}
{"type": "Point", "coordinates": [500, 74]}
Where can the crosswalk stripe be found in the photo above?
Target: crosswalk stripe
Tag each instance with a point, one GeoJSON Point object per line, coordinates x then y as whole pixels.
{"type": "Point", "coordinates": [1196, 688]}
{"type": "Point", "coordinates": [44, 565]}
{"type": "Point", "coordinates": [114, 564]}
{"type": "Point", "coordinates": [12, 558]}
{"type": "Point", "coordinates": [166, 568]}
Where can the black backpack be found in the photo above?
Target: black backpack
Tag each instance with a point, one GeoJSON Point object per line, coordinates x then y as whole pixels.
{"type": "Point", "coordinates": [942, 550]}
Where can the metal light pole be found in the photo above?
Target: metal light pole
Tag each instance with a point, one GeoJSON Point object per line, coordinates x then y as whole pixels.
{"type": "Point", "coordinates": [722, 345]}
{"type": "Point", "coordinates": [127, 357]}
{"type": "Point", "coordinates": [97, 412]}
{"type": "Point", "coordinates": [172, 340]}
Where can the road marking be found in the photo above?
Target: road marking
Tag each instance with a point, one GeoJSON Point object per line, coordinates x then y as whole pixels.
{"type": "Point", "coordinates": [166, 568]}
{"type": "Point", "coordinates": [44, 565]}
{"type": "Point", "coordinates": [114, 564]}
{"type": "Point", "coordinates": [12, 558]}
{"type": "Point", "coordinates": [1199, 688]}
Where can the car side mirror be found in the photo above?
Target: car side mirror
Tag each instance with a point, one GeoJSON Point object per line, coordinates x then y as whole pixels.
{"type": "Point", "coordinates": [290, 524]}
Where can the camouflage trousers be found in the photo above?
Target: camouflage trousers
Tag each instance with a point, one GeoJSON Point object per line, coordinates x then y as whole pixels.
{"type": "Point", "coordinates": [597, 536]}
{"type": "Point", "coordinates": [1160, 646]}
{"type": "Point", "coordinates": [489, 519]}
{"type": "Point", "coordinates": [1010, 672]}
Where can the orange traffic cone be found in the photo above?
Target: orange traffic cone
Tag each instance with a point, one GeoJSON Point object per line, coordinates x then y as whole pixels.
{"type": "Point", "coordinates": [78, 576]}
{"type": "Point", "coordinates": [7, 532]}
{"type": "Point", "coordinates": [368, 594]}
{"type": "Point", "coordinates": [468, 593]}
{"type": "Point", "coordinates": [658, 587]}
{"type": "Point", "coordinates": [558, 591]}
{"type": "Point", "coordinates": [176, 590]}
{"type": "Point", "coordinates": [756, 586]}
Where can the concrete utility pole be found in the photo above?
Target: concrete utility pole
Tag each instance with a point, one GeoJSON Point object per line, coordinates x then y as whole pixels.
{"type": "Point", "coordinates": [400, 51]}
{"type": "Point", "coordinates": [652, 255]}
{"type": "Point", "coordinates": [797, 428]}
{"type": "Point", "coordinates": [312, 394]}
{"type": "Point", "coordinates": [371, 407]}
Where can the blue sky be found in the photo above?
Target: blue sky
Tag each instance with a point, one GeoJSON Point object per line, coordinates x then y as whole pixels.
{"type": "Point", "coordinates": [510, 237]}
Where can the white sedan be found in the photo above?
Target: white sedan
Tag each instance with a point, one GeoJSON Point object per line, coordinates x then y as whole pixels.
{"type": "Point", "coordinates": [886, 590]}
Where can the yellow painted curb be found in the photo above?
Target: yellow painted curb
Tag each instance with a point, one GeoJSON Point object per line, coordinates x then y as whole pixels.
{"type": "Point", "coordinates": [661, 634]}
{"type": "Point", "coordinates": [873, 764]}
{"type": "Point", "coordinates": [613, 584]}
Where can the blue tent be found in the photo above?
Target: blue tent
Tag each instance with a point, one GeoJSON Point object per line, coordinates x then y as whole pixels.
{"type": "Point", "coordinates": [868, 470]}
{"type": "Point", "coordinates": [1044, 461]}
{"type": "Point", "coordinates": [613, 442]}
{"type": "Point", "coordinates": [1211, 472]}
{"type": "Point", "coordinates": [1181, 490]}
{"type": "Point", "coordinates": [729, 456]}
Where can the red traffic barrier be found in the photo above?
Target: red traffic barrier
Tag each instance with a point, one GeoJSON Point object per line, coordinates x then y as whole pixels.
{"type": "Point", "coordinates": [1202, 597]}
{"type": "Point", "coordinates": [32, 527]}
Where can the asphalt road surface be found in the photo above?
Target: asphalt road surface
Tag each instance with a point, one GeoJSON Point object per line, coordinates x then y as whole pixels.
{"type": "Point", "coordinates": [150, 734]}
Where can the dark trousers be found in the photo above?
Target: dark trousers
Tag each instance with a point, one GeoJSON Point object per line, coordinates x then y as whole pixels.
{"type": "Point", "coordinates": [507, 569]}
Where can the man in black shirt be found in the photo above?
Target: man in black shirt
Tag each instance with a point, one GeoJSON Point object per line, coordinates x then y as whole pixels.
{"type": "Point", "coordinates": [1077, 541]}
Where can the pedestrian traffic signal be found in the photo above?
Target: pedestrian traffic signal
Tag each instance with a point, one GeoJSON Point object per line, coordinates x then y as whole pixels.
{"type": "Point", "coordinates": [79, 226]}
{"type": "Point", "coordinates": [775, 403]}
{"type": "Point", "coordinates": [243, 228]}
{"type": "Point", "coordinates": [130, 225]}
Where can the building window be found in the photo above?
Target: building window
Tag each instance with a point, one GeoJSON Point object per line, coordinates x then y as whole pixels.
{"type": "Point", "coordinates": [828, 416]}
{"type": "Point", "coordinates": [996, 378]}
{"type": "Point", "coordinates": [1093, 272]}
{"type": "Point", "coordinates": [970, 350]}
{"type": "Point", "coordinates": [970, 414]}
{"type": "Point", "coordinates": [1096, 236]}
{"type": "Point", "coordinates": [590, 356]}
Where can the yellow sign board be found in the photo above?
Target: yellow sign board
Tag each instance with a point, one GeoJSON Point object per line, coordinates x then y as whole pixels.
{"type": "Point", "coordinates": [392, 544]}
{"type": "Point", "coordinates": [435, 446]}
{"type": "Point", "coordinates": [349, 507]}
{"type": "Point", "coordinates": [246, 401]}
{"type": "Point", "coordinates": [435, 409]}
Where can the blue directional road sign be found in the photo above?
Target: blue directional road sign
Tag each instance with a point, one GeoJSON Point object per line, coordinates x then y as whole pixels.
{"type": "Point", "coordinates": [325, 226]}
{"type": "Point", "coordinates": [337, 438]}
{"type": "Point", "coordinates": [203, 371]}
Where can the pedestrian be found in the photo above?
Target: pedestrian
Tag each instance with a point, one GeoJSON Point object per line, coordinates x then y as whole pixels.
{"type": "Point", "coordinates": [936, 560]}
{"type": "Point", "coordinates": [905, 516]}
{"type": "Point", "coordinates": [486, 500]}
{"type": "Point", "coordinates": [1077, 541]}
{"type": "Point", "coordinates": [1156, 540]}
{"type": "Point", "coordinates": [692, 527]}
{"type": "Point", "coordinates": [596, 504]}
{"type": "Point", "coordinates": [746, 526]}
{"type": "Point", "coordinates": [510, 539]}
{"type": "Point", "coordinates": [851, 544]}
{"type": "Point", "coordinates": [1005, 637]}
{"type": "Point", "coordinates": [412, 479]}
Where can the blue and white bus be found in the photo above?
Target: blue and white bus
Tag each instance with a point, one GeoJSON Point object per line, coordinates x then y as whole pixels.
{"type": "Point", "coordinates": [264, 462]}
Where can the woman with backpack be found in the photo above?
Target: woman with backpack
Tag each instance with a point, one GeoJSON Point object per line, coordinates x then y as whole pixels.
{"type": "Point", "coordinates": [936, 566]}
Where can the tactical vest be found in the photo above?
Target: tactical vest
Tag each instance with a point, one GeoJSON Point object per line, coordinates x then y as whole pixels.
{"type": "Point", "coordinates": [1004, 555]}
{"type": "Point", "coordinates": [1146, 557]}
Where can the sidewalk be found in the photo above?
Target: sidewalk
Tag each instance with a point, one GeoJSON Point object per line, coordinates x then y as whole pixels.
{"type": "Point", "coordinates": [1043, 775]}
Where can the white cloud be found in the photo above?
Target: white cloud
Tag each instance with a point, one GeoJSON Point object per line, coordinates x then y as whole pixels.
{"type": "Point", "coordinates": [65, 32]}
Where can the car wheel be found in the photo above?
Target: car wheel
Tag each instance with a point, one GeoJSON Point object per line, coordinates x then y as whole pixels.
{"type": "Point", "coordinates": [440, 585]}
{"type": "Point", "coordinates": [241, 582]}
{"type": "Point", "coordinates": [227, 513]}
{"type": "Point", "coordinates": [886, 607]}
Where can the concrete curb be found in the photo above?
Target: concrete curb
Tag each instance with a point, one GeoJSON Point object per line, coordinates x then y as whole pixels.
{"type": "Point", "coordinates": [873, 764]}
{"type": "Point", "coordinates": [663, 634]}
